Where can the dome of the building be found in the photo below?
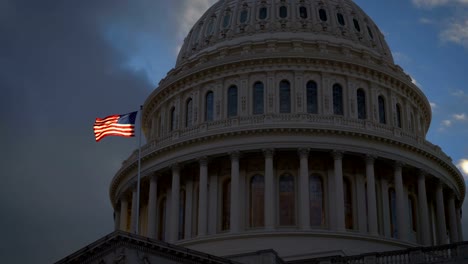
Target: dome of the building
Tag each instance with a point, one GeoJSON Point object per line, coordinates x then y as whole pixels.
{"type": "Point", "coordinates": [233, 23]}
{"type": "Point", "coordinates": [286, 125]}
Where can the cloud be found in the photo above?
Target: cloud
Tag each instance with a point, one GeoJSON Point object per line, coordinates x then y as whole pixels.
{"type": "Point", "coordinates": [425, 20]}
{"type": "Point", "coordinates": [415, 82]}
{"type": "Point", "coordinates": [436, 3]}
{"type": "Point", "coordinates": [434, 106]}
{"type": "Point", "coordinates": [460, 117]}
{"type": "Point", "coordinates": [462, 164]}
{"type": "Point", "coordinates": [401, 58]}
{"type": "Point", "coordinates": [447, 123]}
{"type": "Point", "coordinates": [456, 32]}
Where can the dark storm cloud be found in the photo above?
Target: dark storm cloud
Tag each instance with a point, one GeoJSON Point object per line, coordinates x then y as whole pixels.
{"type": "Point", "coordinates": [58, 71]}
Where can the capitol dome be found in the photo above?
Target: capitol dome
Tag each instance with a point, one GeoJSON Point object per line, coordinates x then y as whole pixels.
{"type": "Point", "coordinates": [286, 125]}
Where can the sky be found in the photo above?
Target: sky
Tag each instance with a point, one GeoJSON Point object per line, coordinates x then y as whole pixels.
{"type": "Point", "coordinates": [64, 63]}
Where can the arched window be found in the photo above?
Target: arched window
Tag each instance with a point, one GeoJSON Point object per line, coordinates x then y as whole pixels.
{"type": "Point", "coordinates": [285, 97]}
{"type": "Point", "coordinates": [316, 200]}
{"type": "Point", "coordinates": [338, 99]}
{"type": "Point", "coordinates": [209, 106]}
{"type": "Point", "coordinates": [182, 214]}
{"type": "Point", "coordinates": [398, 115]}
{"type": "Point", "coordinates": [227, 19]}
{"type": "Point", "coordinates": [244, 15]}
{"type": "Point", "coordinates": [382, 114]}
{"type": "Point", "coordinates": [173, 119]}
{"type": "Point", "coordinates": [323, 14]}
{"type": "Point", "coordinates": [162, 219]}
{"type": "Point", "coordinates": [226, 211]}
{"type": "Point", "coordinates": [258, 98]}
{"type": "Point", "coordinates": [283, 11]}
{"type": "Point", "coordinates": [312, 104]}
{"type": "Point", "coordinates": [232, 101]}
{"type": "Point", "coordinates": [361, 104]}
{"type": "Point", "coordinates": [287, 206]}
{"type": "Point", "coordinates": [393, 219]}
{"type": "Point", "coordinates": [210, 27]}
{"type": "Point", "coordinates": [257, 201]}
{"type": "Point", "coordinates": [303, 12]}
{"type": "Point", "coordinates": [348, 203]}
{"type": "Point", "coordinates": [356, 25]}
{"type": "Point", "coordinates": [341, 20]}
{"type": "Point", "coordinates": [262, 13]}
{"type": "Point", "coordinates": [188, 112]}
{"type": "Point", "coordinates": [412, 213]}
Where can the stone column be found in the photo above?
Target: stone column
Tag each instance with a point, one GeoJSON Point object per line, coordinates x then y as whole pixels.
{"type": "Point", "coordinates": [235, 206]}
{"type": "Point", "coordinates": [203, 197]}
{"type": "Point", "coordinates": [371, 197]}
{"type": "Point", "coordinates": [123, 213]}
{"type": "Point", "coordinates": [175, 204]}
{"type": "Point", "coordinates": [400, 202]}
{"type": "Point", "coordinates": [459, 226]}
{"type": "Point", "coordinates": [134, 212]}
{"type": "Point", "coordinates": [385, 208]}
{"type": "Point", "coordinates": [424, 229]}
{"type": "Point", "coordinates": [339, 194]}
{"type": "Point", "coordinates": [440, 211]}
{"type": "Point", "coordinates": [269, 190]}
{"type": "Point", "coordinates": [188, 209]}
{"type": "Point", "coordinates": [452, 219]}
{"type": "Point", "coordinates": [361, 203]}
{"type": "Point", "coordinates": [304, 214]}
{"type": "Point", "coordinates": [213, 205]}
{"type": "Point", "coordinates": [152, 207]}
{"type": "Point", "coordinates": [116, 220]}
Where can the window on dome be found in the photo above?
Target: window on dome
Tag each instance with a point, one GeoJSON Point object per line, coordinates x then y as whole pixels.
{"type": "Point", "coordinates": [227, 20]}
{"type": "Point", "coordinates": [232, 101]}
{"type": "Point", "coordinates": [382, 114]}
{"type": "Point", "coordinates": [338, 108]}
{"type": "Point", "coordinates": [173, 119]}
{"type": "Point", "coordinates": [283, 11]}
{"type": "Point", "coordinates": [162, 219]}
{"type": "Point", "coordinates": [285, 97]}
{"type": "Point", "coordinates": [340, 19]}
{"type": "Point", "coordinates": [398, 115]}
{"type": "Point", "coordinates": [257, 201]}
{"type": "Point", "coordinates": [370, 32]}
{"type": "Point", "coordinates": [323, 15]}
{"type": "Point", "coordinates": [316, 200]}
{"type": "Point", "coordinates": [303, 12]}
{"type": "Point", "coordinates": [209, 106]}
{"type": "Point", "coordinates": [188, 112]}
{"type": "Point", "coordinates": [287, 207]}
{"type": "Point", "coordinates": [348, 203]}
{"type": "Point", "coordinates": [258, 98]}
{"type": "Point", "coordinates": [210, 28]}
{"type": "Point", "coordinates": [182, 214]}
{"type": "Point", "coordinates": [361, 104]}
{"type": "Point", "coordinates": [226, 211]}
{"type": "Point", "coordinates": [312, 104]}
{"type": "Point", "coordinates": [356, 25]}
{"type": "Point", "coordinates": [243, 16]}
{"type": "Point", "coordinates": [262, 13]}
{"type": "Point", "coordinates": [393, 219]}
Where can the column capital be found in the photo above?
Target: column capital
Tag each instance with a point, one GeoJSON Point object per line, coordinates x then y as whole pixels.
{"type": "Point", "coordinates": [398, 165]}
{"type": "Point", "coordinates": [337, 154]}
{"type": "Point", "coordinates": [370, 158]}
{"type": "Point", "coordinates": [234, 155]}
{"type": "Point", "coordinates": [203, 160]}
{"type": "Point", "coordinates": [303, 152]}
{"type": "Point", "coordinates": [422, 174]}
{"type": "Point", "coordinates": [268, 153]}
{"type": "Point", "coordinates": [175, 167]}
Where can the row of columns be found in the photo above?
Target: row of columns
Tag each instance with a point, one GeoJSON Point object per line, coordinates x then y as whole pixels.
{"type": "Point", "coordinates": [337, 212]}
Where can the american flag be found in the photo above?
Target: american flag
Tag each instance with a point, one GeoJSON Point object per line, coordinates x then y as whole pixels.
{"type": "Point", "coordinates": [115, 125]}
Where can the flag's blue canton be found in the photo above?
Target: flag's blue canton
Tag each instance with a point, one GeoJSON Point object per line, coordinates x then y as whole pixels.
{"type": "Point", "coordinates": [128, 118]}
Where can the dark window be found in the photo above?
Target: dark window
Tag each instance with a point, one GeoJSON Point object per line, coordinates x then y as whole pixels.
{"type": "Point", "coordinates": [258, 98]}
{"type": "Point", "coordinates": [348, 203]}
{"type": "Point", "coordinates": [340, 19]}
{"type": "Point", "coordinates": [382, 115]}
{"type": "Point", "coordinates": [226, 20]}
{"type": "Point", "coordinates": [262, 14]}
{"type": "Point", "coordinates": [226, 212]}
{"type": "Point", "coordinates": [356, 25]}
{"type": "Point", "coordinates": [398, 115]}
{"type": "Point", "coordinates": [303, 12]}
{"type": "Point", "coordinates": [182, 214]}
{"type": "Point", "coordinates": [361, 104]}
{"type": "Point", "coordinates": [316, 200]}
{"type": "Point", "coordinates": [370, 32]}
{"type": "Point", "coordinates": [285, 97]}
{"type": "Point", "coordinates": [188, 112]}
{"type": "Point", "coordinates": [287, 210]}
{"type": "Point", "coordinates": [323, 14]}
{"type": "Point", "coordinates": [232, 101]}
{"type": "Point", "coordinates": [283, 11]}
{"type": "Point", "coordinates": [244, 15]}
{"type": "Point", "coordinates": [393, 217]}
{"type": "Point", "coordinates": [312, 107]}
{"type": "Point", "coordinates": [257, 201]}
{"type": "Point", "coordinates": [209, 106]}
{"type": "Point", "coordinates": [338, 100]}
{"type": "Point", "coordinates": [173, 119]}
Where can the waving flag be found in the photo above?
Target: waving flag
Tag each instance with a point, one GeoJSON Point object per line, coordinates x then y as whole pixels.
{"type": "Point", "coordinates": [115, 125]}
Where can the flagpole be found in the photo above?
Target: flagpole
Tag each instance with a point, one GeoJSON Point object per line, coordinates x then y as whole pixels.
{"type": "Point", "coordinates": [139, 174]}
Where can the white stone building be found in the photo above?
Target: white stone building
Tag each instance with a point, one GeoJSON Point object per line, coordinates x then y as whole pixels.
{"type": "Point", "coordinates": [286, 125]}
